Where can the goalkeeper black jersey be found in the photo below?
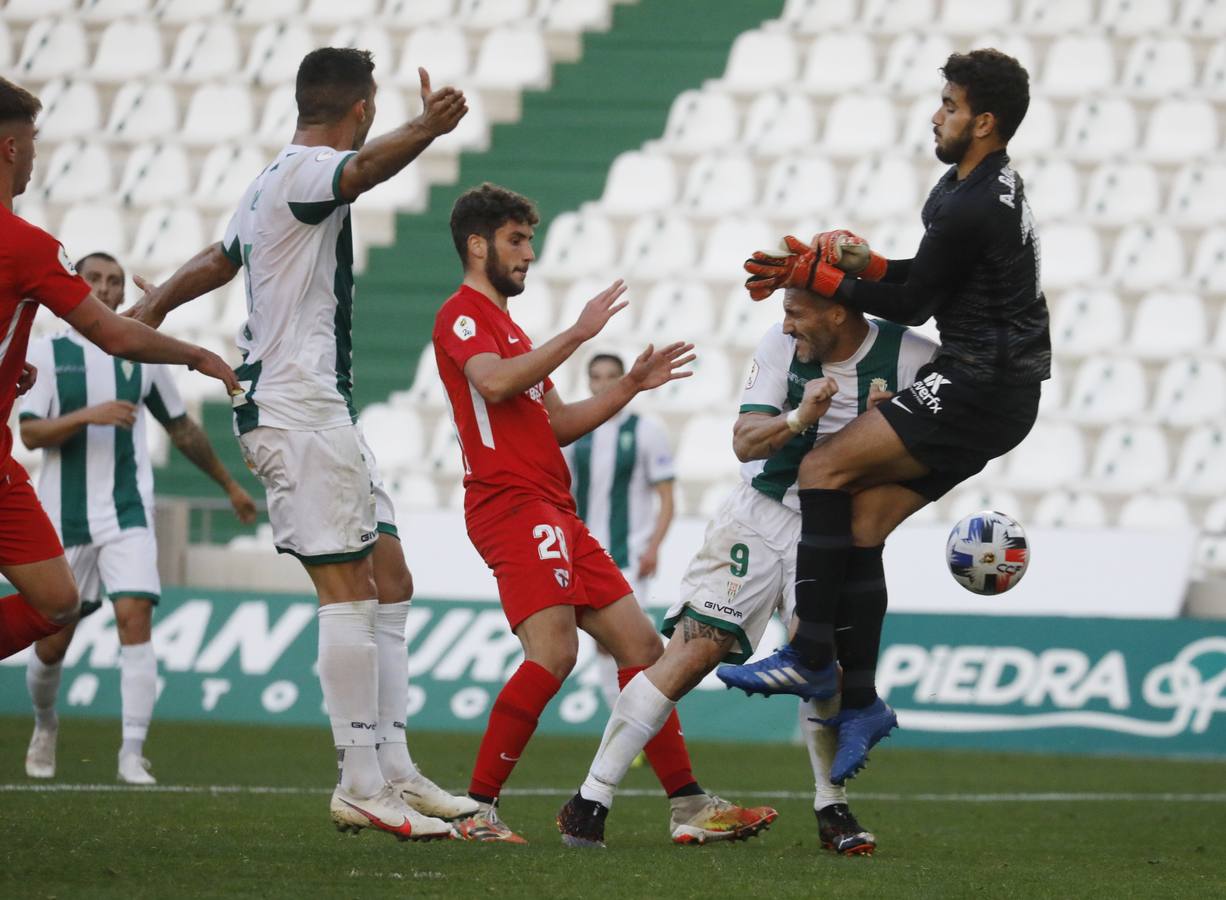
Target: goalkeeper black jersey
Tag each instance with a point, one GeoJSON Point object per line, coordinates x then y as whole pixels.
{"type": "Point", "coordinates": [977, 273]}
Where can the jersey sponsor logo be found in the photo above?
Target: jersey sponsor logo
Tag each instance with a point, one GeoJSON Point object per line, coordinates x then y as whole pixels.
{"type": "Point", "coordinates": [66, 262]}
{"type": "Point", "coordinates": [752, 379]}
{"type": "Point", "coordinates": [723, 610]}
{"type": "Point", "coordinates": [464, 328]}
{"type": "Point", "coordinates": [512, 339]}
{"type": "Point", "coordinates": [324, 155]}
{"type": "Point", "coordinates": [927, 390]}
{"type": "Point", "coordinates": [368, 537]}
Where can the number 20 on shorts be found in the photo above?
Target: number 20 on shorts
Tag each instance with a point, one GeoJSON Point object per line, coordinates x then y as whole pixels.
{"type": "Point", "coordinates": [550, 536]}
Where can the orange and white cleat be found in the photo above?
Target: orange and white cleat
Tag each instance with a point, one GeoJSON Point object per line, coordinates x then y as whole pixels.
{"type": "Point", "coordinates": [705, 818]}
{"type": "Point", "coordinates": [484, 825]}
{"type": "Point", "coordinates": [385, 811]}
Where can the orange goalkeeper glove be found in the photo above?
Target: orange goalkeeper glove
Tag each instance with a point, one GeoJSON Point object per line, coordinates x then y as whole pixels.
{"type": "Point", "coordinates": [851, 253]}
{"type": "Point", "coordinates": [799, 266]}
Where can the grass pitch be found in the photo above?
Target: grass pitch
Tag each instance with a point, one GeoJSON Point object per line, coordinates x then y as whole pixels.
{"type": "Point", "coordinates": [1051, 827]}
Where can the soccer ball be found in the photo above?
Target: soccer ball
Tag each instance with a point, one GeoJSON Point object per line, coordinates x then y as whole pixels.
{"type": "Point", "coordinates": [987, 552]}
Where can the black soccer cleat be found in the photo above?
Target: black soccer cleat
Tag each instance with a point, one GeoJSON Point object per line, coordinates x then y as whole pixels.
{"type": "Point", "coordinates": [582, 822]}
{"type": "Point", "coordinates": [839, 831]}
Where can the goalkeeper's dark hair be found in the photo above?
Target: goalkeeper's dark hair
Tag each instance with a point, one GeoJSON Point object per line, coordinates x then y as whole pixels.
{"type": "Point", "coordinates": [483, 210]}
{"type": "Point", "coordinates": [995, 83]}
{"type": "Point", "coordinates": [17, 104]}
{"type": "Point", "coordinates": [607, 357]}
{"type": "Point", "coordinates": [330, 81]}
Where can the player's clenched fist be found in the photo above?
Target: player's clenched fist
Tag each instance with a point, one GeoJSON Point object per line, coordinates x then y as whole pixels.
{"type": "Point", "coordinates": [654, 368]}
{"type": "Point", "coordinates": [597, 311]}
{"type": "Point", "coordinates": [441, 110]}
{"type": "Point", "coordinates": [815, 401]}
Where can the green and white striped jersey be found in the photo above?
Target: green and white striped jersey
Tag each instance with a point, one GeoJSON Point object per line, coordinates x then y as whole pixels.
{"type": "Point", "coordinates": [613, 471]}
{"type": "Point", "coordinates": [100, 481]}
{"type": "Point", "coordinates": [888, 358]}
{"type": "Point", "coordinates": [292, 236]}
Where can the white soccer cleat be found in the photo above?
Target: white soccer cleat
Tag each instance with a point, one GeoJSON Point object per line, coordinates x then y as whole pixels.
{"type": "Point", "coordinates": [706, 818]}
{"type": "Point", "coordinates": [429, 799]}
{"type": "Point", "coordinates": [40, 757]}
{"type": "Point", "coordinates": [385, 811]}
{"type": "Point", "coordinates": [134, 769]}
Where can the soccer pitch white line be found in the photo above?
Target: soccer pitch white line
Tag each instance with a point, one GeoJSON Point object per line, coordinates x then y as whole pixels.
{"type": "Point", "coordinates": [257, 790]}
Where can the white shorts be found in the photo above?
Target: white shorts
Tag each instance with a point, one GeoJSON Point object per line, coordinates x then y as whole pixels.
{"type": "Point", "coordinates": [326, 501]}
{"type": "Point", "coordinates": [745, 571]}
{"type": "Point", "coordinates": [126, 566]}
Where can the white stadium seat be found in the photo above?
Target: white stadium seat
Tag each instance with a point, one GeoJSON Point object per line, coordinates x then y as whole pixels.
{"type": "Point", "coordinates": [427, 390]}
{"type": "Point", "coordinates": [443, 456]}
{"type": "Point", "coordinates": [1190, 392]}
{"type": "Point", "coordinates": [1055, 17]}
{"type": "Point", "coordinates": [1209, 264]}
{"type": "Point", "coordinates": [1053, 455]}
{"type": "Point", "coordinates": [414, 493]}
{"type": "Point", "coordinates": [1195, 195]}
{"type": "Point", "coordinates": [894, 16]}
{"type": "Point", "coordinates": [880, 187]}
{"type": "Point", "coordinates": [1072, 255]}
{"type": "Point", "coordinates": [1062, 509]}
{"type": "Point", "coordinates": [728, 245]}
{"type": "Point", "coordinates": [1130, 458]}
{"type": "Point", "coordinates": [797, 185]}
{"type": "Point", "coordinates": [441, 49]}
{"type": "Point", "coordinates": [143, 111]}
{"type": "Point", "coordinates": [127, 49]}
{"type": "Point", "coordinates": [1154, 512]}
{"type": "Point", "coordinates": [534, 311]}
{"type": "Point", "coordinates": [168, 236]}
{"type": "Point", "coordinates": [1202, 17]}
{"type": "Point", "coordinates": [710, 387]}
{"type": "Point", "coordinates": [70, 109]}
{"type": "Point", "coordinates": [912, 66]}
{"type": "Point", "coordinates": [1201, 470]}
{"type": "Point", "coordinates": [899, 239]}
{"type": "Point", "coordinates": [486, 14]}
{"type": "Point", "coordinates": [1167, 325]}
{"type": "Point", "coordinates": [778, 123]}
{"type": "Point", "coordinates": [1053, 390]}
{"type": "Point", "coordinates": [276, 52]}
{"type": "Point", "coordinates": [1087, 321]}
{"type": "Point", "coordinates": [1100, 128]}
{"type": "Point", "coordinates": [1077, 66]}
{"type": "Point", "coordinates": [1129, 18]}
{"type": "Point", "coordinates": [1107, 389]}
{"type": "Point", "coordinates": [330, 12]}
{"type": "Point", "coordinates": [1146, 257]}
{"type": "Point", "coordinates": [53, 48]}
{"type": "Point", "coordinates": [1039, 131]}
{"type": "Point", "coordinates": [1053, 189]}
{"type": "Point", "coordinates": [1213, 76]}
{"type": "Point", "coordinates": [967, 500]}
{"type": "Point", "coordinates": [574, 16]}
{"type": "Point", "coordinates": [677, 310]}
{"type": "Point", "coordinates": [744, 321]}
{"type": "Point", "coordinates": [28, 10]}
{"type": "Point", "coordinates": [155, 173]}
{"type": "Point", "coordinates": [218, 112]}
{"type": "Point", "coordinates": [395, 435]}
{"type": "Point", "coordinates": [411, 13]}
{"type": "Point", "coordinates": [658, 245]}
{"type": "Point", "coordinates": [639, 182]}
{"type": "Point", "coordinates": [719, 185]}
{"type": "Point", "coordinates": [473, 132]}
{"type": "Point", "coordinates": [917, 135]}
{"type": "Point", "coordinates": [258, 12]}
{"type": "Point", "coordinates": [1215, 516]}
{"type": "Point", "coordinates": [1020, 47]}
{"type": "Point", "coordinates": [812, 16]}
{"type": "Point", "coordinates": [1180, 130]}
{"type": "Point", "coordinates": [967, 17]}
{"type": "Point", "coordinates": [513, 58]}
{"type": "Point", "coordinates": [31, 208]}
{"type": "Point", "coordinates": [106, 10]}
{"type": "Point", "coordinates": [6, 47]}
{"type": "Point", "coordinates": [226, 172]}
{"type": "Point", "coordinates": [182, 12]}
{"type": "Point", "coordinates": [87, 227]}
{"type": "Point", "coordinates": [406, 191]}
{"type": "Point", "coordinates": [393, 107]}
{"type": "Point", "coordinates": [838, 62]}
{"type": "Point", "coordinates": [375, 38]}
{"type": "Point", "coordinates": [859, 124]}
{"type": "Point", "coordinates": [578, 243]}
{"type": "Point", "coordinates": [760, 60]}
{"type": "Point", "coordinates": [1120, 193]}
{"type": "Point", "coordinates": [205, 51]}
{"type": "Point", "coordinates": [77, 171]}
{"type": "Point", "coordinates": [280, 116]}
{"type": "Point", "coordinates": [704, 450]}
{"type": "Point", "coordinates": [699, 121]}
{"type": "Point", "coordinates": [1158, 67]}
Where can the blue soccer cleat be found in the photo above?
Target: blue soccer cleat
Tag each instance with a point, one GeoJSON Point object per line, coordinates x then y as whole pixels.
{"type": "Point", "coordinates": [782, 673]}
{"type": "Point", "coordinates": [859, 731]}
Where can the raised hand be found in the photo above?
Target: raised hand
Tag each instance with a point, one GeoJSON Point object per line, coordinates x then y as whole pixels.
{"type": "Point", "coordinates": [849, 252]}
{"type": "Point", "coordinates": [654, 368]}
{"type": "Point", "coordinates": [597, 311]}
{"type": "Point", "coordinates": [441, 110]}
{"type": "Point", "coordinates": [797, 266]}
{"type": "Point", "coordinates": [143, 310]}
{"type": "Point", "coordinates": [816, 399]}
{"type": "Point", "coordinates": [209, 363]}
{"type": "Point", "coordinates": [119, 413]}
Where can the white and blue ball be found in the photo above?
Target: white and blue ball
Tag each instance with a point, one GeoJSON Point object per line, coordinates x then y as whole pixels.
{"type": "Point", "coordinates": [987, 552]}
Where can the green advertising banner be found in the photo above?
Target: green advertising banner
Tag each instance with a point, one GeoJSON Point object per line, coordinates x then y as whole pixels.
{"type": "Point", "coordinates": [1045, 684]}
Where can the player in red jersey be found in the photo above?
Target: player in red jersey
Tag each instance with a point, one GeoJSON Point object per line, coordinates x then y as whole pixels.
{"type": "Point", "coordinates": [553, 576]}
{"type": "Point", "coordinates": [35, 269]}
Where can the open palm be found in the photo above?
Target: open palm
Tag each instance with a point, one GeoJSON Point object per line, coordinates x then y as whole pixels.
{"type": "Point", "coordinates": [654, 368]}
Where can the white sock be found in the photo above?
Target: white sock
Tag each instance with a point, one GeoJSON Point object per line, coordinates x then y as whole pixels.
{"type": "Point", "coordinates": [823, 743]}
{"type": "Point", "coordinates": [43, 683]}
{"type": "Point", "coordinates": [349, 675]}
{"type": "Point", "coordinates": [138, 690]}
{"type": "Point", "coordinates": [606, 666]}
{"type": "Point", "coordinates": [637, 715]}
{"type": "Point", "coordinates": [393, 748]}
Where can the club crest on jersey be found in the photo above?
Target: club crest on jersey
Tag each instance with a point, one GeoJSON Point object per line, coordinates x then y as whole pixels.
{"type": "Point", "coordinates": [464, 328]}
{"type": "Point", "coordinates": [563, 577]}
{"type": "Point", "coordinates": [878, 384]}
{"type": "Point", "coordinates": [66, 262]}
{"type": "Point", "coordinates": [536, 393]}
{"type": "Point", "coordinates": [127, 367]}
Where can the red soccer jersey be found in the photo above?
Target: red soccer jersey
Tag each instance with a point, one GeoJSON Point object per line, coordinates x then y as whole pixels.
{"type": "Point", "coordinates": [34, 269]}
{"type": "Point", "coordinates": [509, 448]}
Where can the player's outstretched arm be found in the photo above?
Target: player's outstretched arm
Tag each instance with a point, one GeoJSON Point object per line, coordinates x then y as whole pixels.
{"type": "Point", "coordinates": [39, 433]}
{"type": "Point", "coordinates": [384, 156]}
{"type": "Point", "coordinates": [190, 440]}
{"type": "Point", "coordinates": [498, 378]}
{"type": "Point", "coordinates": [758, 435]}
{"type": "Point", "coordinates": [130, 339]}
{"type": "Point", "coordinates": [206, 271]}
{"type": "Point", "coordinates": [653, 368]}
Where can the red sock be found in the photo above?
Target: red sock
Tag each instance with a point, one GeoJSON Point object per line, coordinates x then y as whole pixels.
{"type": "Point", "coordinates": [21, 625]}
{"type": "Point", "coordinates": [512, 721]}
{"type": "Point", "coordinates": [666, 752]}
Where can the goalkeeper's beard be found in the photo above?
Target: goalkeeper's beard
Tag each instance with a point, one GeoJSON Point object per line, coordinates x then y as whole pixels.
{"type": "Point", "coordinates": [951, 153]}
{"type": "Point", "coordinates": [499, 277]}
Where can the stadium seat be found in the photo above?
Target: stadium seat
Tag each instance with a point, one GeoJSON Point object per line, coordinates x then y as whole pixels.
{"type": "Point", "coordinates": [899, 239]}
{"type": "Point", "coordinates": [534, 310]}
{"type": "Point", "coordinates": [441, 49]}
{"type": "Point", "coordinates": [1063, 509]}
{"type": "Point", "coordinates": [1190, 392]}
{"type": "Point", "coordinates": [1071, 255]}
{"type": "Point", "coordinates": [699, 121]}
{"type": "Point", "coordinates": [1052, 392]}
{"type": "Point", "coordinates": [87, 227]}
{"type": "Point", "coordinates": [77, 171]}
{"type": "Point", "coordinates": [259, 12]}
{"type": "Point", "coordinates": [443, 456]}
{"type": "Point", "coordinates": [719, 185]}
{"type": "Point", "coordinates": [1201, 470]}
{"type": "Point", "coordinates": [912, 66]}
{"type": "Point", "coordinates": [838, 62]}
{"type": "Point", "coordinates": [574, 16]}
{"type": "Point", "coordinates": [1180, 130]}
{"type": "Point", "coordinates": [1127, 18]}
{"type": "Point", "coordinates": [155, 173]}
{"type": "Point", "coordinates": [704, 450]}
{"type": "Point", "coordinates": [1130, 458]}
{"type": "Point", "coordinates": [812, 16]}
{"type": "Point", "coordinates": [859, 124]}
{"type": "Point", "coordinates": [1168, 324]}
{"type": "Point", "coordinates": [143, 111]}
{"type": "Point", "coordinates": [205, 51]}
{"type": "Point", "coordinates": [427, 390]}
{"type": "Point", "coordinates": [106, 10]}
{"type": "Point", "coordinates": [1206, 18]}
{"type": "Point", "coordinates": [29, 10]}
{"type": "Point", "coordinates": [168, 236]}
{"type": "Point", "coordinates": [276, 52]}
{"type": "Point", "coordinates": [482, 15]}
{"type": "Point", "coordinates": [638, 183]}
{"type": "Point", "coordinates": [1039, 132]}
{"type": "Point", "coordinates": [896, 16]}
{"type": "Point", "coordinates": [70, 109]}
{"type": "Point", "coordinates": [183, 12]}
{"type": "Point", "coordinates": [414, 493]}
{"type": "Point", "coordinates": [127, 49]}
{"type": "Point", "coordinates": [778, 123]}
{"type": "Point", "coordinates": [760, 60]}
{"type": "Point", "coordinates": [31, 208]}
{"type": "Point", "coordinates": [216, 113]}
{"type": "Point", "coordinates": [406, 191]}
{"type": "Point", "coordinates": [1209, 264]}
{"type": "Point", "coordinates": [729, 243]}
{"type": "Point", "coordinates": [473, 132]}
{"type": "Point", "coordinates": [658, 245]}
{"type": "Point", "coordinates": [330, 12]}
{"type": "Point", "coordinates": [677, 310]}
{"type": "Point", "coordinates": [1120, 193]}
{"type": "Point", "coordinates": [745, 322]}
{"type": "Point", "coordinates": [1213, 76]}
{"type": "Point", "coordinates": [967, 17]}
{"type": "Point", "coordinates": [967, 500]}
{"type": "Point", "coordinates": [1078, 65]}
{"type": "Point", "coordinates": [411, 13]}
{"type": "Point", "coordinates": [280, 116]}
{"type": "Point", "coordinates": [578, 243]}
{"type": "Point", "coordinates": [1086, 321]}
{"type": "Point", "coordinates": [226, 172]}
{"type": "Point", "coordinates": [1052, 456]}
{"type": "Point", "coordinates": [1053, 190]}
{"type": "Point", "coordinates": [1195, 195]}
{"type": "Point", "coordinates": [395, 435]}
{"type": "Point", "coordinates": [917, 137]}
{"type": "Point", "coordinates": [1154, 512]}
{"type": "Point", "coordinates": [375, 38]}
{"type": "Point", "coordinates": [577, 296]}
{"type": "Point", "coordinates": [708, 388]}
{"type": "Point", "coordinates": [1055, 17]}
{"type": "Point", "coordinates": [1215, 516]}
{"type": "Point", "coordinates": [53, 48]}
{"type": "Point", "coordinates": [1158, 67]}
{"type": "Point", "coordinates": [880, 187]}
{"type": "Point", "coordinates": [1146, 257]}
{"type": "Point", "coordinates": [513, 58]}
{"type": "Point", "coordinates": [1107, 389]}
{"type": "Point", "coordinates": [797, 185]}
{"type": "Point", "coordinates": [1100, 128]}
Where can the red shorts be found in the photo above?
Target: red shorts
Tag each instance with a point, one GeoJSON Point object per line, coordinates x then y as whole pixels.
{"type": "Point", "coordinates": [544, 556]}
{"type": "Point", "coordinates": [26, 534]}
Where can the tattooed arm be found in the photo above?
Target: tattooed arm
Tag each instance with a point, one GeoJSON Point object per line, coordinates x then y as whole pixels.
{"type": "Point", "coordinates": [193, 443]}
